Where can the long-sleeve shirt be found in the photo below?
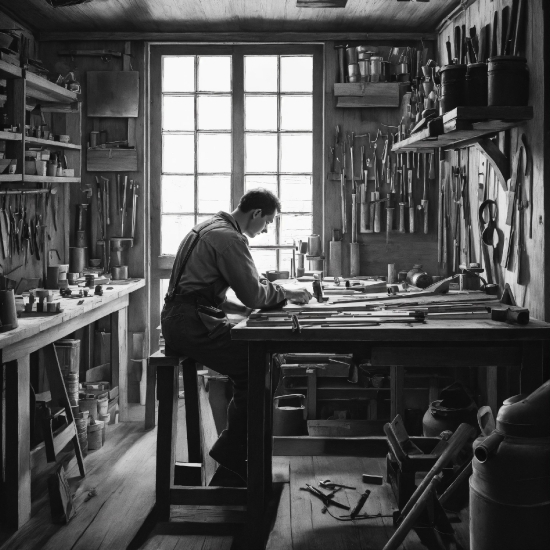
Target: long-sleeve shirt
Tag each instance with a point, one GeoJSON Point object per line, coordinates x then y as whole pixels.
{"type": "Point", "coordinates": [222, 259]}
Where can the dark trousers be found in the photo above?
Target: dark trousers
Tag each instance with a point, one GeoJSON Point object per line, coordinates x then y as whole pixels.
{"type": "Point", "coordinates": [186, 334]}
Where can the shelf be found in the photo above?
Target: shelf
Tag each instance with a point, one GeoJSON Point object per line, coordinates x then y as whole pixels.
{"type": "Point", "coordinates": [463, 126]}
{"type": "Point", "coordinates": [11, 178]}
{"type": "Point", "coordinates": [7, 70]}
{"type": "Point", "coordinates": [49, 179]}
{"type": "Point", "coordinates": [43, 90]}
{"type": "Point", "coordinates": [10, 136]}
{"type": "Point", "coordinates": [51, 143]}
{"type": "Point", "coordinates": [367, 94]}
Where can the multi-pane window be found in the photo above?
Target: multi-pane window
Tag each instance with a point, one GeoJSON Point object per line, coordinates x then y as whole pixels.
{"type": "Point", "coordinates": [196, 143]}
{"type": "Point", "coordinates": [197, 174]}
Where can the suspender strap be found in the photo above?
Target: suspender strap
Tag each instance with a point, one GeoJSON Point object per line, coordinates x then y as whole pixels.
{"type": "Point", "coordinates": [196, 238]}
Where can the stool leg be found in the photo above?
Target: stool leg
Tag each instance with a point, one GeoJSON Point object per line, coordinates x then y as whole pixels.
{"type": "Point", "coordinates": [167, 390]}
{"type": "Point", "coordinates": [150, 396]}
{"type": "Point", "coordinates": [192, 410]}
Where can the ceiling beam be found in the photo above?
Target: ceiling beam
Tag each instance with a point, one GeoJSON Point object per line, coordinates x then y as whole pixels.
{"type": "Point", "coordinates": [234, 36]}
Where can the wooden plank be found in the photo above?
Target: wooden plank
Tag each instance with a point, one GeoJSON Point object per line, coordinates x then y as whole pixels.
{"type": "Point", "coordinates": [397, 384]}
{"type": "Point", "coordinates": [446, 356]}
{"type": "Point", "coordinates": [375, 446]}
{"type": "Point", "coordinates": [208, 433]}
{"type": "Point", "coordinates": [278, 538]}
{"type": "Point", "coordinates": [51, 143]}
{"type": "Point", "coordinates": [17, 465]}
{"type": "Point", "coordinates": [489, 113]}
{"type": "Point", "coordinates": [301, 504]}
{"type": "Point", "coordinates": [41, 88]}
{"type": "Point", "coordinates": [378, 100]}
{"type": "Point", "coordinates": [208, 496]}
{"type": "Point", "coordinates": [375, 91]}
{"type": "Point", "coordinates": [277, 37]}
{"type": "Point", "coordinates": [119, 358]}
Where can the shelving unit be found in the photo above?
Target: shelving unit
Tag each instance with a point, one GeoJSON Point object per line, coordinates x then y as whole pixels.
{"type": "Point", "coordinates": [4, 178]}
{"type": "Point", "coordinates": [43, 90]}
{"type": "Point", "coordinates": [51, 143]}
{"type": "Point", "coordinates": [463, 126]}
{"type": "Point", "coordinates": [367, 94]}
{"type": "Point", "coordinates": [10, 136]}
{"type": "Point", "coordinates": [49, 179]}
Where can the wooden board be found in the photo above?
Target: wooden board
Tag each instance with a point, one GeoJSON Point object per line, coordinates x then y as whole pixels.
{"type": "Point", "coordinates": [113, 93]}
{"type": "Point", "coordinates": [383, 94]}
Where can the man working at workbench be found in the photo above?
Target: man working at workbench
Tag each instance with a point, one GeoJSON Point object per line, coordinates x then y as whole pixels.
{"type": "Point", "coordinates": [211, 258]}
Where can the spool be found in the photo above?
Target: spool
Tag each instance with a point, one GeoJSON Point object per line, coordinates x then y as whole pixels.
{"type": "Point", "coordinates": [392, 274]}
{"type": "Point", "coordinates": [52, 279]}
{"type": "Point", "coordinates": [335, 259]}
{"type": "Point", "coordinates": [119, 272]}
{"type": "Point", "coordinates": [508, 81]}
{"type": "Point", "coordinates": [314, 245]}
{"type": "Point", "coordinates": [77, 259]}
{"type": "Point", "coordinates": [8, 312]}
{"type": "Point", "coordinates": [354, 259]}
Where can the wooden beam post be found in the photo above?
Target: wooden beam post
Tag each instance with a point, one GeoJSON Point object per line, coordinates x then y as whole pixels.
{"type": "Point", "coordinates": [119, 359]}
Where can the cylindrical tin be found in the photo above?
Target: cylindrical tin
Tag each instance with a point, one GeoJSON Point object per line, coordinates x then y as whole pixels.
{"type": "Point", "coordinates": [63, 270]}
{"type": "Point", "coordinates": [453, 87]}
{"type": "Point", "coordinates": [392, 275]}
{"type": "Point", "coordinates": [81, 239]}
{"type": "Point", "coordinates": [300, 258]}
{"type": "Point", "coordinates": [353, 69]}
{"type": "Point", "coordinates": [376, 65]}
{"type": "Point", "coordinates": [351, 55]}
{"type": "Point", "coordinates": [364, 56]}
{"type": "Point", "coordinates": [314, 245]}
{"type": "Point", "coordinates": [95, 435]}
{"type": "Point", "coordinates": [8, 313]}
{"type": "Point", "coordinates": [52, 280]}
{"type": "Point", "coordinates": [119, 272]}
{"type": "Point", "coordinates": [82, 217]}
{"type": "Point", "coordinates": [402, 68]}
{"type": "Point", "coordinates": [508, 81]}
{"type": "Point", "coordinates": [90, 280]}
{"type": "Point", "coordinates": [476, 85]}
{"type": "Point", "coordinates": [77, 259]}
{"type": "Point", "coordinates": [316, 263]}
{"type": "Point", "coordinates": [364, 69]}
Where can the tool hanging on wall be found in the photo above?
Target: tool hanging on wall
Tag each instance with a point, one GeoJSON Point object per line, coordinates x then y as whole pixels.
{"type": "Point", "coordinates": [424, 203]}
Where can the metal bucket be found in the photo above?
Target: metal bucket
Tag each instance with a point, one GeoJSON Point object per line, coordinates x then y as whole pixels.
{"type": "Point", "coordinates": [453, 87]}
{"type": "Point", "coordinates": [289, 419]}
{"type": "Point", "coordinates": [477, 85]}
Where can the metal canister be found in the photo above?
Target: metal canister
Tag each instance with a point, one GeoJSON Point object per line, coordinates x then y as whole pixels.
{"type": "Point", "coordinates": [351, 55]}
{"type": "Point", "coordinates": [364, 69]}
{"type": "Point", "coordinates": [375, 65]}
{"type": "Point", "coordinates": [508, 81]}
{"type": "Point", "coordinates": [510, 482]}
{"type": "Point", "coordinates": [453, 87]}
{"type": "Point", "coordinates": [476, 85]}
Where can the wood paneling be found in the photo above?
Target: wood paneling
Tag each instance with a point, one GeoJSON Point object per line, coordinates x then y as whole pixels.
{"type": "Point", "coordinates": [237, 15]}
{"type": "Point", "coordinates": [529, 294]}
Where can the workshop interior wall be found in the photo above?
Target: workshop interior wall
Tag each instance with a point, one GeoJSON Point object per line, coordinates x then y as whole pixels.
{"type": "Point", "coordinates": [376, 253]}
{"type": "Point", "coordinates": [531, 292]}
{"type": "Point", "coordinates": [117, 129]}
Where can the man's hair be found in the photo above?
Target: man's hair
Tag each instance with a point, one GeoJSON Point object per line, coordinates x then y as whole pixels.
{"type": "Point", "coordinates": [260, 198]}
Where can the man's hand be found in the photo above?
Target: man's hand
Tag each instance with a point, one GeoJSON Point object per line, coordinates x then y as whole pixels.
{"type": "Point", "coordinates": [298, 295]}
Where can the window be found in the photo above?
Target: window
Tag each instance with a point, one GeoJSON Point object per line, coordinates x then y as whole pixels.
{"type": "Point", "coordinates": [226, 119]}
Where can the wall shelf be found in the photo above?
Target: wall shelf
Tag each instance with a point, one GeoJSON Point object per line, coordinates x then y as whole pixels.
{"type": "Point", "coordinates": [51, 143]}
{"type": "Point", "coordinates": [10, 136]}
{"type": "Point", "coordinates": [49, 179]}
{"type": "Point", "coordinates": [12, 178]}
{"type": "Point", "coordinates": [7, 70]}
{"type": "Point", "coordinates": [367, 94]}
{"type": "Point", "coordinates": [43, 90]}
{"type": "Point", "coordinates": [464, 126]}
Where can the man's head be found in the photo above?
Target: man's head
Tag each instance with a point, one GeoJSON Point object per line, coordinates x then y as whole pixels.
{"type": "Point", "coordinates": [257, 209]}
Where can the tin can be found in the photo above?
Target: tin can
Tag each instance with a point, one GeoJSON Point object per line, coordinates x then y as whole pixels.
{"type": "Point", "coordinates": [476, 85]}
{"type": "Point", "coordinates": [508, 81]}
{"type": "Point", "coordinates": [453, 87]}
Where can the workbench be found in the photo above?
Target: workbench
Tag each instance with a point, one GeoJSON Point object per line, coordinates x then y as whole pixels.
{"type": "Point", "coordinates": [450, 343]}
{"type": "Point", "coordinates": [32, 334]}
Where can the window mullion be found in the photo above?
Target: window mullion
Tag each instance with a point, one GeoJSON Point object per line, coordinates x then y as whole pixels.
{"type": "Point", "coordinates": [237, 183]}
{"type": "Point", "coordinates": [196, 136]}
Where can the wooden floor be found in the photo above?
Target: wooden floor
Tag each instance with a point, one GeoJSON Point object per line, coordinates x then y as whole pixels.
{"type": "Point", "coordinates": [123, 476]}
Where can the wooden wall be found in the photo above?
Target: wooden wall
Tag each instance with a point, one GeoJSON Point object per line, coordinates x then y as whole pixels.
{"type": "Point", "coordinates": [403, 250]}
{"type": "Point", "coordinates": [118, 129]}
{"type": "Point", "coordinates": [531, 291]}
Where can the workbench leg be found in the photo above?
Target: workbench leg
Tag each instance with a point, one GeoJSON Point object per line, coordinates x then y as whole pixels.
{"type": "Point", "coordinates": [167, 381]}
{"type": "Point", "coordinates": [18, 443]}
{"type": "Point", "coordinates": [311, 394]}
{"type": "Point", "coordinates": [150, 396]}
{"type": "Point", "coordinates": [397, 382]}
{"type": "Point", "coordinates": [259, 463]}
{"type": "Point", "coordinates": [532, 366]}
{"type": "Point", "coordinates": [119, 359]}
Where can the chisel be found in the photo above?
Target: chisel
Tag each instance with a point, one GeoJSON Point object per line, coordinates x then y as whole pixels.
{"type": "Point", "coordinates": [425, 196]}
{"type": "Point", "coordinates": [449, 53]}
{"type": "Point", "coordinates": [377, 210]}
{"type": "Point", "coordinates": [494, 39]}
{"type": "Point", "coordinates": [411, 201]}
{"type": "Point", "coordinates": [401, 171]}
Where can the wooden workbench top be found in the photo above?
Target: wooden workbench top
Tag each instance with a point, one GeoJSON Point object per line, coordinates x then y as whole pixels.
{"type": "Point", "coordinates": [430, 331]}
{"type": "Point", "coordinates": [71, 307]}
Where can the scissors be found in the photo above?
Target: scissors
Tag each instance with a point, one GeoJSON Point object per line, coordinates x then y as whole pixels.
{"type": "Point", "coordinates": [488, 213]}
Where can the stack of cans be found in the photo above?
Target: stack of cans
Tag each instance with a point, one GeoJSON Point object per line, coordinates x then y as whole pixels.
{"type": "Point", "coordinates": [81, 421]}
{"type": "Point", "coordinates": [72, 386]}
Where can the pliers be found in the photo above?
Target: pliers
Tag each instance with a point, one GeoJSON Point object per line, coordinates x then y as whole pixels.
{"type": "Point", "coordinates": [327, 500]}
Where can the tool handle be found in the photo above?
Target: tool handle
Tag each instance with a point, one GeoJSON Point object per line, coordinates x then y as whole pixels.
{"type": "Point", "coordinates": [389, 219]}
{"type": "Point", "coordinates": [411, 219]}
{"type": "Point", "coordinates": [377, 213]}
{"type": "Point", "coordinates": [449, 53]}
{"type": "Point", "coordinates": [425, 208]}
{"type": "Point", "coordinates": [360, 503]}
{"type": "Point", "coordinates": [372, 212]}
{"type": "Point", "coordinates": [401, 217]}
{"type": "Point", "coordinates": [353, 218]}
{"type": "Point", "coordinates": [341, 64]}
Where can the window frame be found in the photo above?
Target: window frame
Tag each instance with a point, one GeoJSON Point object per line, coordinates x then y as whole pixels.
{"type": "Point", "coordinates": [161, 264]}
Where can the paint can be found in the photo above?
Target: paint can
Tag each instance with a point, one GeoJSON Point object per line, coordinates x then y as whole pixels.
{"type": "Point", "coordinates": [102, 406]}
{"type": "Point", "coordinates": [314, 245]}
{"type": "Point", "coordinates": [453, 87]}
{"type": "Point", "coordinates": [95, 435]}
{"type": "Point", "coordinates": [8, 312]}
{"type": "Point", "coordinates": [119, 272]}
{"type": "Point", "coordinates": [476, 85]}
{"type": "Point", "coordinates": [52, 278]}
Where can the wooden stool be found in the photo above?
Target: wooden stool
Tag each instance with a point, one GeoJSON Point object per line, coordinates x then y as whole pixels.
{"type": "Point", "coordinates": [193, 493]}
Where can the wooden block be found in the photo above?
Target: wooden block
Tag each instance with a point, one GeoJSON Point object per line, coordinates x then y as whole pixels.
{"type": "Point", "coordinates": [375, 480]}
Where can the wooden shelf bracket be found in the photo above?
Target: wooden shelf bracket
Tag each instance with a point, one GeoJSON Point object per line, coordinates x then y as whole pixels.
{"type": "Point", "coordinates": [497, 159]}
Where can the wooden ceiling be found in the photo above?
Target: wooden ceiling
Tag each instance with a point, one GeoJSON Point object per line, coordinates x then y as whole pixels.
{"type": "Point", "coordinates": [229, 16]}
